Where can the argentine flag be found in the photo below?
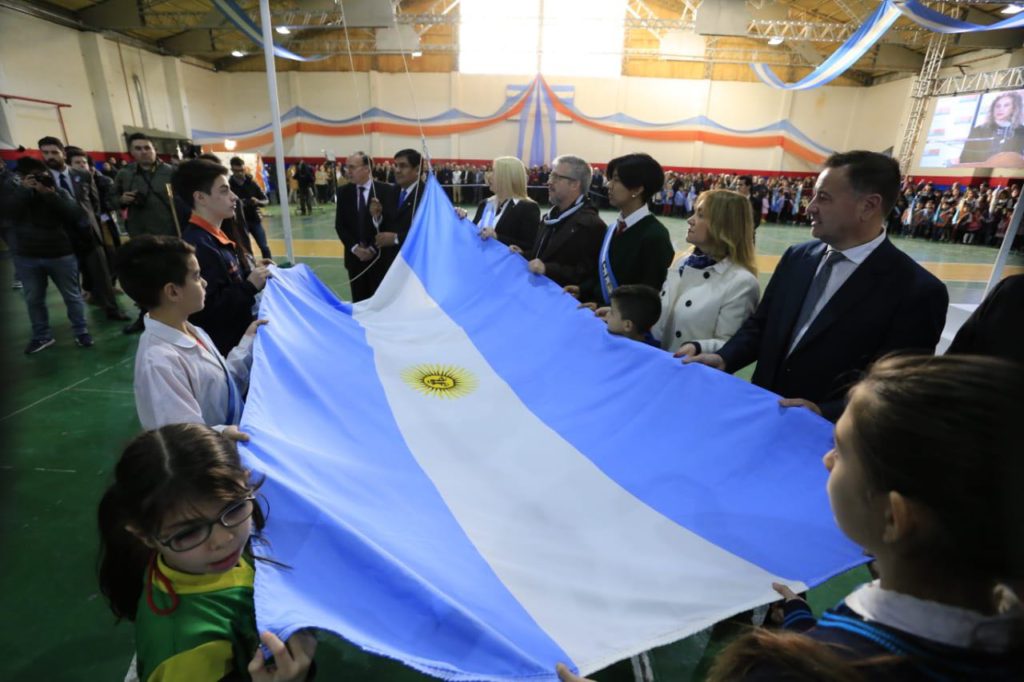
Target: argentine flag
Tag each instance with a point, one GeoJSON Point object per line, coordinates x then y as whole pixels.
{"type": "Point", "coordinates": [469, 474]}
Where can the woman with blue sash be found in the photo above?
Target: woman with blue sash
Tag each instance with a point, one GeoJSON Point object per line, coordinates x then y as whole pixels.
{"type": "Point", "coordinates": [636, 247]}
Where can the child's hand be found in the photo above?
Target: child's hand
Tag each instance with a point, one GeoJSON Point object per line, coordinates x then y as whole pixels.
{"type": "Point", "coordinates": [686, 350]}
{"type": "Point", "coordinates": [537, 266]}
{"type": "Point", "coordinates": [291, 661]}
{"type": "Point", "coordinates": [251, 330]}
{"type": "Point", "coordinates": [566, 675]}
{"type": "Point", "coordinates": [488, 233]}
{"type": "Point", "coordinates": [233, 433]}
{"type": "Point", "coordinates": [602, 312]}
{"type": "Point", "coordinates": [572, 290]}
{"type": "Point", "coordinates": [785, 592]}
{"type": "Point", "coordinates": [588, 306]}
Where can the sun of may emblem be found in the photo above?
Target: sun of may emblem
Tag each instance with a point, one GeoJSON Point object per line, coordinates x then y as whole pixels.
{"type": "Point", "coordinates": [441, 381]}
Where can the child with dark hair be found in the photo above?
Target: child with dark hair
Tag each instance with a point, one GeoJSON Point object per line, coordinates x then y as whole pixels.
{"type": "Point", "coordinates": [230, 290]}
{"type": "Point", "coordinates": [633, 311]}
{"type": "Point", "coordinates": [176, 532]}
{"type": "Point", "coordinates": [180, 375]}
{"type": "Point", "coordinates": [637, 248]}
{"type": "Point", "coordinates": [925, 475]}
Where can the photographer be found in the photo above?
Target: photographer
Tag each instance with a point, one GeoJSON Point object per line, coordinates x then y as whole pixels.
{"type": "Point", "coordinates": [141, 188]}
{"type": "Point", "coordinates": [47, 224]}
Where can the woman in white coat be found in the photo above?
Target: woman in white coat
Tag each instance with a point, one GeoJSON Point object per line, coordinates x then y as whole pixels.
{"type": "Point", "coordinates": [712, 290]}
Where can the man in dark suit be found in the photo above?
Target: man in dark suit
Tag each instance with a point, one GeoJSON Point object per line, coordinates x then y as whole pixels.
{"type": "Point", "coordinates": [836, 304]}
{"type": "Point", "coordinates": [92, 256]}
{"type": "Point", "coordinates": [365, 207]}
{"type": "Point", "coordinates": [569, 243]}
{"type": "Point", "coordinates": [407, 188]}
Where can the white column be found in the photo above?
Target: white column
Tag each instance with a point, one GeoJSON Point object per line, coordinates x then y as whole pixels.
{"type": "Point", "coordinates": [105, 78]}
{"type": "Point", "coordinates": [177, 100]}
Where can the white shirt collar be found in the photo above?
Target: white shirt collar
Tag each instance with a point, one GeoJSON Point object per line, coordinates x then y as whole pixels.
{"type": "Point", "coordinates": [167, 333]}
{"type": "Point", "coordinates": [857, 254]}
{"type": "Point", "coordinates": [410, 189]}
{"type": "Point", "coordinates": [636, 216]}
{"type": "Point", "coordinates": [368, 185]}
{"type": "Point", "coordinates": [949, 625]}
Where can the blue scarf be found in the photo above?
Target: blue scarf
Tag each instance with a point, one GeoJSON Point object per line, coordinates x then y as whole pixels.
{"type": "Point", "coordinates": [698, 260]}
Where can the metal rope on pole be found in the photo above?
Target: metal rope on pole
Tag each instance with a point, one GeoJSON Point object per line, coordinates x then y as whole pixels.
{"type": "Point", "coordinates": [275, 119]}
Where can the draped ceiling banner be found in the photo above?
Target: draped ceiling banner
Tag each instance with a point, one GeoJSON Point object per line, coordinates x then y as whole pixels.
{"type": "Point", "coordinates": [940, 23]}
{"type": "Point", "coordinates": [469, 474]}
{"type": "Point", "coordinates": [238, 17]}
{"type": "Point", "coordinates": [536, 104]}
{"type": "Point", "coordinates": [842, 59]}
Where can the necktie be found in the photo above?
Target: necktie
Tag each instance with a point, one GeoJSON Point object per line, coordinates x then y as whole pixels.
{"type": "Point", "coordinates": [63, 179]}
{"type": "Point", "coordinates": [620, 226]}
{"type": "Point", "coordinates": [816, 289]}
{"type": "Point", "coordinates": [401, 198]}
{"type": "Point", "coordinates": [362, 199]}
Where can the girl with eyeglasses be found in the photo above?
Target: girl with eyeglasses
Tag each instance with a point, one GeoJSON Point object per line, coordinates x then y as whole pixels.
{"type": "Point", "coordinates": [176, 534]}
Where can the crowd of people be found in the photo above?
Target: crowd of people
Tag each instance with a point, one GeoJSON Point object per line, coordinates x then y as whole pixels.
{"type": "Point", "coordinates": [922, 474]}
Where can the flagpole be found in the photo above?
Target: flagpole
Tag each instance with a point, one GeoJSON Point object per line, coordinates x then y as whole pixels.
{"type": "Point", "coordinates": [275, 120]}
{"type": "Point", "coordinates": [1008, 239]}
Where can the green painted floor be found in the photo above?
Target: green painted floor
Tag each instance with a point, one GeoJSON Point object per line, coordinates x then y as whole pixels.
{"type": "Point", "coordinates": [66, 412]}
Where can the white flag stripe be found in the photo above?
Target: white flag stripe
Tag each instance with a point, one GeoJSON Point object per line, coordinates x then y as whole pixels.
{"type": "Point", "coordinates": [592, 564]}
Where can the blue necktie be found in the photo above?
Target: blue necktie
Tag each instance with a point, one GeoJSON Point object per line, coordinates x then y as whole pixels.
{"type": "Point", "coordinates": [401, 198]}
{"type": "Point", "coordinates": [816, 289]}
{"type": "Point", "coordinates": [361, 206]}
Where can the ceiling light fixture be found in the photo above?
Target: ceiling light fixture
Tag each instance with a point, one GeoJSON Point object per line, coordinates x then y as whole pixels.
{"type": "Point", "coordinates": [775, 40]}
{"type": "Point", "coordinates": [237, 53]}
{"type": "Point", "coordinates": [230, 144]}
{"type": "Point", "coordinates": [283, 30]}
{"type": "Point", "coordinates": [417, 54]}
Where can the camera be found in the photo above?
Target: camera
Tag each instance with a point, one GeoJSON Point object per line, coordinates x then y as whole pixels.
{"type": "Point", "coordinates": [140, 198]}
{"type": "Point", "coordinates": [44, 179]}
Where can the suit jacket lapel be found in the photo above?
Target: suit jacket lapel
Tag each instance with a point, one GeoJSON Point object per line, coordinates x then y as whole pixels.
{"type": "Point", "coordinates": [560, 236]}
{"type": "Point", "coordinates": [858, 287]}
{"type": "Point", "coordinates": [803, 273]}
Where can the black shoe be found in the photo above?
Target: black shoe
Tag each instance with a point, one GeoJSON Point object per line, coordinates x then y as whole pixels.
{"type": "Point", "coordinates": [118, 315]}
{"type": "Point", "coordinates": [135, 327]}
{"type": "Point", "coordinates": [84, 340]}
{"type": "Point", "coordinates": [36, 345]}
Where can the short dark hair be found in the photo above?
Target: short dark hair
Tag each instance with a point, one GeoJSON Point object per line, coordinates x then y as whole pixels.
{"type": "Point", "coordinates": [638, 171]}
{"type": "Point", "coordinates": [71, 152]}
{"type": "Point", "coordinates": [870, 173]}
{"type": "Point", "coordinates": [236, 161]}
{"type": "Point", "coordinates": [138, 136]}
{"type": "Point", "coordinates": [638, 303]}
{"type": "Point", "coordinates": [145, 264]}
{"type": "Point", "coordinates": [27, 165]}
{"type": "Point", "coordinates": [50, 141]}
{"type": "Point", "coordinates": [196, 175]}
{"type": "Point", "coordinates": [746, 180]}
{"type": "Point", "coordinates": [411, 155]}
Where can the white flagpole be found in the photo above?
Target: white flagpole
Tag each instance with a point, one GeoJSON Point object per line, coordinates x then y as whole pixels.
{"type": "Point", "coordinates": [275, 120]}
{"type": "Point", "coordinates": [1004, 250]}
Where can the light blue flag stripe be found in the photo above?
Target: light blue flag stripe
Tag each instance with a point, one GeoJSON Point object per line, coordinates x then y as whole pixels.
{"type": "Point", "coordinates": [752, 482]}
{"type": "Point", "coordinates": [940, 23]}
{"type": "Point", "coordinates": [387, 567]}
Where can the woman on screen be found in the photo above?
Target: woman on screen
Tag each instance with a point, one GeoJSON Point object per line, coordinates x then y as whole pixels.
{"type": "Point", "coordinates": [1002, 131]}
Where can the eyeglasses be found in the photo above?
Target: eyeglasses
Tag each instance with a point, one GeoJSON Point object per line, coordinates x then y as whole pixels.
{"type": "Point", "coordinates": [193, 536]}
{"type": "Point", "coordinates": [558, 176]}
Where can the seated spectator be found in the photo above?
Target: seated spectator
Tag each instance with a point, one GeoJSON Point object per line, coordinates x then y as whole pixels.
{"type": "Point", "coordinates": [711, 291]}
{"type": "Point", "coordinates": [180, 376]}
{"type": "Point", "coordinates": [924, 475]}
{"type": "Point", "coordinates": [510, 215]}
{"type": "Point", "coordinates": [230, 289]}
{"type": "Point", "coordinates": [634, 310]}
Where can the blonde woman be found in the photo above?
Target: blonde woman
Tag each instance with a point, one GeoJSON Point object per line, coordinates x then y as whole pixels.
{"type": "Point", "coordinates": [712, 290]}
{"type": "Point", "coordinates": [509, 216]}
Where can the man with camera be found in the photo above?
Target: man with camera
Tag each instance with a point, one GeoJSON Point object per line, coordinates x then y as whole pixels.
{"type": "Point", "coordinates": [141, 187]}
{"type": "Point", "coordinates": [47, 224]}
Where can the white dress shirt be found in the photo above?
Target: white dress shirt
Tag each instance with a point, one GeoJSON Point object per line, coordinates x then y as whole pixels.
{"type": "Point", "coordinates": [935, 622]}
{"type": "Point", "coordinates": [707, 306]}
{"type": "Point", "coordinates": [841, 272]}
{"type": "Point", "coordinates": [635, 217]}
{"type": "Point", "coordinates": [178, 381]}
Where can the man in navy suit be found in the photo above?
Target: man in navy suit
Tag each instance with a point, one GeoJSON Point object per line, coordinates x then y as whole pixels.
{"type": "Point", "coordinates": [836, 304]}
{"type": "Point", "coordinates": [364, 206]}
{"type": "Point", "coordinates": [407, 191]}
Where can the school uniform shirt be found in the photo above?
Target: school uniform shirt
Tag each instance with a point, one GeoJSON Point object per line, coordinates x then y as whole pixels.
{"type": "Point", "coordinates": [705, 306]}
{"type": "Point", "coordinates": [209, 634]}
{"type": "Point", "coordinates": [911, 639]}
{"type": "Point", "coordinates": [180, 379]}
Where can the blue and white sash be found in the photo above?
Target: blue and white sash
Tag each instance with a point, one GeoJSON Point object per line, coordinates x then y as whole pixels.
{"type": "Point", "coordinates": [604, 266]}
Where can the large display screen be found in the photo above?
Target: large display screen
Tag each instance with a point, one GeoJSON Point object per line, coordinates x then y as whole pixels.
{"type": "Point", "coordinates": [978, 130]}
